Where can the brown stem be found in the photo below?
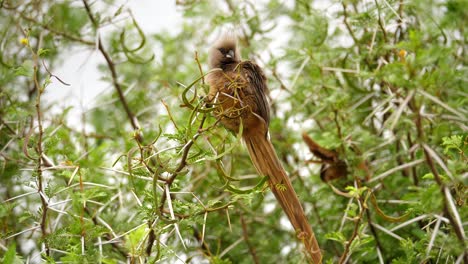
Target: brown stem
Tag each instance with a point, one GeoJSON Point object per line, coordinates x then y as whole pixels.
{"type": "Point", "coordinates": [40, 151]}
{"type": "Point", "coordinates": [151, 239]}
{"type": "Point", "coordinates": [344, 256]}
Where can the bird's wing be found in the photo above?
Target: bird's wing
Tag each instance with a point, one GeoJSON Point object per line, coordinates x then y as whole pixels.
{"type": "Point", "coordinates": [256, 81]}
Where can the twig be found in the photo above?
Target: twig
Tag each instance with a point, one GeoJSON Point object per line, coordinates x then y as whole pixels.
{"type": "Point", "coordinates": [53, 75]}
{"type": "Point", "coordinates": [170, 114]}
{"type": "Point", "coordinates": [299, 71]}
{"type": "Point", "coordinates": [393, 10]}
{"type": "Point", "coordinates": [171, 211]}
{"type": "Point", "coordinates": [395, 169]}
{"type": "Point", "coordinates": [344, 257]}
{"type": "Point", "coordinates": [442, 104]}
{"type": "Point", "coordinates": [40, 152]}
{"type": "Point", "coordinates": [203, 245]}
{"type": "Point", "coordinates": [233, 245]}
{"type": "Point", "coordinates": [433, 236]}
{"type": "Point", "coordinates": [388, 232]}
{"type": "Point", "coordinates": [396, 116]}
{"type": "Point", "coordinates": [200, 68]}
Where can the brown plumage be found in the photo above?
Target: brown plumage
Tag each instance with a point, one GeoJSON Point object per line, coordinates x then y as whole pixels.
{"type": "Point", "coordinates": [238, 89]}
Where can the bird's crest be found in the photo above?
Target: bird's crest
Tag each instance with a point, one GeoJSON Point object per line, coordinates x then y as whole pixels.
{"type": "Point", "coordinates": [224, 51]}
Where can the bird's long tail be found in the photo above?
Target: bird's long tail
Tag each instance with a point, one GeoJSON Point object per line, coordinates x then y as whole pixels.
{"type": "Point", "coordinates": [266, 161]}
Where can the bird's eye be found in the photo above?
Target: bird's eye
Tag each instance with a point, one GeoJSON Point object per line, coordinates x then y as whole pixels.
{"type": "Point", "coordinates": [222, 50]}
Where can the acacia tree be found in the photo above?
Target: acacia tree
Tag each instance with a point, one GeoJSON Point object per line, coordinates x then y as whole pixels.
{"type": "Point", "coordinates": [377, 88]}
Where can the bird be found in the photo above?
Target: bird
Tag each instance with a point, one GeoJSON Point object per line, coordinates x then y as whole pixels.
{"type": "Point", "coordinates": [238, 91]}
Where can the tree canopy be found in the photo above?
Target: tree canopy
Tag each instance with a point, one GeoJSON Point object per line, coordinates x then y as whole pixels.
{"type": "Point", "coordinates": [369, 117]}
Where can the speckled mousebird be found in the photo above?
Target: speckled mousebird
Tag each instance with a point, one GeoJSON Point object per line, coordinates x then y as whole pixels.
{"type": "Point", "coordinates": [238, 92]}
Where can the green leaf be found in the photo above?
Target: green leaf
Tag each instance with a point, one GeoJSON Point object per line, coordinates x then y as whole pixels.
{"type": "Point", "coordinates": [428, 176]}
{"type": "Point", "coordinates": [452, 142]}
{"type": "Point", "coordinates": [336, 236]}
{"type": "Point", "coordinates": [42, 52]}
{"type": "Point", "coordinates": [26, 69]}
{"type": "Point", "coordinates": [11, 257]}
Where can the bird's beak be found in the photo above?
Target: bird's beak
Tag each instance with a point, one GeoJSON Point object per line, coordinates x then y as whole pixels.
{"type": "Point", "coordinates": [230, 54]}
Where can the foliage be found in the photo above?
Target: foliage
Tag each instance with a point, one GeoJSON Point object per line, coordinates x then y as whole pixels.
{"type": "Point", "coordinates": [148, 175]}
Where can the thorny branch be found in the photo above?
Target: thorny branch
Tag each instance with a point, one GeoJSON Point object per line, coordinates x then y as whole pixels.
{"type": "Point", "coordinates": [357, 221]}
{"type": "Point", "coordinates": [40, 152]}
{"type": "Point", "coordinates": [39, 148]}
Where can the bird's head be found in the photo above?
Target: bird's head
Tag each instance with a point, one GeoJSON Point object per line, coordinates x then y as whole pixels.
{"type": "Point", "coordinates": [224, 52]}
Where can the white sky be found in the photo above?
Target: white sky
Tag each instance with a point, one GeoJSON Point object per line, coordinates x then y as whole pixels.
{"type": "Point", "coordinates": [79, 66]}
